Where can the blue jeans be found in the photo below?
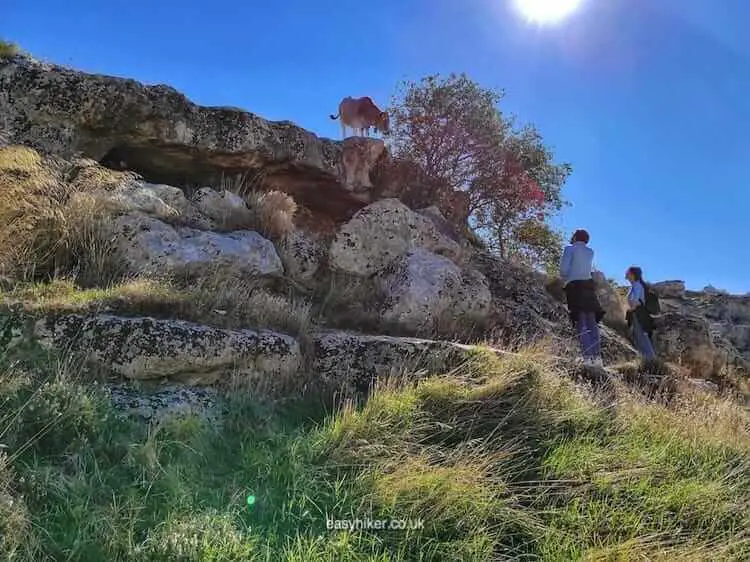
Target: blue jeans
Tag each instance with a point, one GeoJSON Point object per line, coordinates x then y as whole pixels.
{"type": "Point", "coordinates": [642, 341]}
{"type": "Point", "coordinates": [588, 335]}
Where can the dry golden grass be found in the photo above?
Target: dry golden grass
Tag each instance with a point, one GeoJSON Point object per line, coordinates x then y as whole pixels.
{"type": "Point", "coordinates": [49, 226]}
{"type": "Point", "coordinates": [273, 212]}
{"type": "Point", "coordinates": [244, 303]}
{"type": "Point", "coordinates": [693, 414]}
{"type": "Point", "coordinates": [8, 49]}
{"type": "Point", "coordinates": [345, 301]}
{"type": "Point", "coordinates": [220, 299]}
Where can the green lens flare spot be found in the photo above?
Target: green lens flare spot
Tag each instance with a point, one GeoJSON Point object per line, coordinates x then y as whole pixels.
{"type": "Point", "coordinates": [250, 500]}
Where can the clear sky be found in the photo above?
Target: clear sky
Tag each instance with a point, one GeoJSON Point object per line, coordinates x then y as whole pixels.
{"type": "Point", "coordinates": [648, 99]}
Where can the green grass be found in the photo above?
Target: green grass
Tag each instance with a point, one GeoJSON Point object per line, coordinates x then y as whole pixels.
{"type": "Point", "coordinates": [513, 462]}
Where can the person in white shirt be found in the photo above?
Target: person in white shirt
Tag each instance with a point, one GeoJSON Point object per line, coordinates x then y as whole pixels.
{"type": "Point", "coordinates": [584, 309]}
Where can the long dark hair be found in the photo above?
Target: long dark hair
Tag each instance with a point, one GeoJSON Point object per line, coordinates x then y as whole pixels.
{"type": "Point", "coordinates": [637, 272]}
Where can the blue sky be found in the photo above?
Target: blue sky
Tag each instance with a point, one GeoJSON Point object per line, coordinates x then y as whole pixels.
{"type": "Point", "coordinates": [648, 99]}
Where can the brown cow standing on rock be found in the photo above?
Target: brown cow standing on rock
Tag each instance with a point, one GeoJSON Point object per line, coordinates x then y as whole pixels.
{"type": "Point", "coordinates": [360, 114]}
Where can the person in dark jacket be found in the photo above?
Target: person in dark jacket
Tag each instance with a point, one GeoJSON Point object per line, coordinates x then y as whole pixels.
{"type": "Point", "coordinates": [640, 322]}
{"type": "Point", "coordinates": [584, 309]}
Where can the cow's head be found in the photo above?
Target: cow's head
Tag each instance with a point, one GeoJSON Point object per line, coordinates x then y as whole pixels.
{"type": "Point", "coordinates": [383, 122]}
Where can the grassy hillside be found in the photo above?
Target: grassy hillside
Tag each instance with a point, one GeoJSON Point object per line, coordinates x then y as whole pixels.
{"type": "Point", "coordinates": [509, 459]}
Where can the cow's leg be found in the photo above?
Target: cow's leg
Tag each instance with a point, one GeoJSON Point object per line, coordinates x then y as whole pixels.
{"type": "Point", "coordinates": [343, 130]}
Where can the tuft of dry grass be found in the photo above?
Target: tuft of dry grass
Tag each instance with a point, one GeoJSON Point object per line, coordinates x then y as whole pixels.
{"type": "Point", "coordinates": [49, 225]}
{"type": "Point", "coordinates": [270, 213]}
{"type": "Point", "coordinates": [8, 50]}
{"type": "Point", "coordinates": [245, 303]}
{"type": "Point", "coordinates": [346, 301]}
{"type": "Point", "coordinates": [273, 212]}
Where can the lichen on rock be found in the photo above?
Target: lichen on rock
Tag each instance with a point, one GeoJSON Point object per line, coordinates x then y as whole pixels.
{"type": "Point", "coordinates": [145, 348]}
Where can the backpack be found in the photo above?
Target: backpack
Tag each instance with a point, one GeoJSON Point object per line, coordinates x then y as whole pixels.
{"type": "Point", "coordinates": [651, 305]}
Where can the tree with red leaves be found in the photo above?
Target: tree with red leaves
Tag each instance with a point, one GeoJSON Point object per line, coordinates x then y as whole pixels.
{"type": "Point", "coordinates": [454, 129]}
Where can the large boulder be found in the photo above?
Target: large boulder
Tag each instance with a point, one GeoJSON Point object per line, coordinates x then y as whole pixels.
{"type": "Point", "coordinates": [669, 289]}
{"type": "Point", "coordinates": [228, 210]}
{"type": "Point", "coordinates": [443, 226]}
{"type": "Point", "coordinates": [686, 339]}
{"type": "Point", "coordinates": [301, 253]}
{"type": "Point", "coordinates": [158, 132]}
{"type": "Point", "coordinates": [150, 246]}
{"type": "Point", "coordinates": [145, 348]}
{"type": "Point", "coordinates": [349, 363]}
{"type": "Point", "coordinates": [729, 316]}
{"type": "Point", "coordinates": [163, 202]}
{"type": "Point", "coordinates": [611, 301]}
{"type": "Point", "coordinates": [382, 233]}
{"type": "Point", "coordinates": [423, 289]}
{"type": "Point", "coordinates": [523, 307]}
{"type": "Point", "coordinates": [165, 402]}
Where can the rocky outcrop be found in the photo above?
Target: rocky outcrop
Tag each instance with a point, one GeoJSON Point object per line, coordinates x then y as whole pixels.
{"type": "Point", "coordinates": [443, 226]}
{"type": "Point", "coordinates": [155, 405]}
{"type": "Point", "coordinates": [225, 209]}
{"type": "Point", "coordinates": [380, 234]}
{"type": "Point", "coordinates": [144, 348]}
{"type": "Point", "coordinates": [725, 317]}
{"type": "Point", "coordinates": [524, 308]}
{"type": "Point", "coordinates": [611, 301]}
{"type": "Point", "coordinates": [422, 289]}
{"type": "Point", "coordinates": [302, 254]}
{"type": "Point", "coordinates": [349, 363]}
{"type": "Point", "coordinates": [159, 133]}
{"type": "Point", "coordinates": [150, 246]}
{"type": "Point", "coordinates": [669, 289]}
{"type": "Point", "coordinates": [162, 202]}
{"type": "Point", "coordinates": [686, 340]}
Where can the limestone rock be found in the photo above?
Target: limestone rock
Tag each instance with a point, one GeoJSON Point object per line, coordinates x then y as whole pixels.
{"type": "Point", "coordinates": [686, 339]}
{"type": "Point", "coordinates": [349, 362]}
{"type": "Point", "coordinates": [615, 347]}
{"type": "Point", "coordinates": [145, 348]}
{"type": "Point", "coordinates": [610, 300]}
{"type": "Point", "coordinates": [301, 253]}
{"type": "Point", "coordinates": [422, 288]}
{"type": "Point", "coordinates": [669, 289]}
{"type": "Point", "coordinates": [383, 232]}
{"type": "Point", "coordinates": [149, 245]}
{"type": "Point", "coordinates": [163, 202]}
{"type": "Point", "coordinates": [442, 225]}
{"type": "Point", "coordinates": [729, 317]}
{"type": "Point", "coordinates": [523, 307]}
{"type": "Point", "coordinates": [359, 157]}
{"type": "Point", "coordinates": [226, 209]}
{"type": "Point", "coordinates": [158, 132]}
{"type": "Point", "coordinates": [166, 402]}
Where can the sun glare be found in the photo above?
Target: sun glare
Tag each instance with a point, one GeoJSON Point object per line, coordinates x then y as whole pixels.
{"type": "Point", "coordinates": [547, 11]}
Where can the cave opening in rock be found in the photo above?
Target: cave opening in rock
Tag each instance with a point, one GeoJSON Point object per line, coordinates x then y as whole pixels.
{"type": "Point", "coordinates": [190, 169]}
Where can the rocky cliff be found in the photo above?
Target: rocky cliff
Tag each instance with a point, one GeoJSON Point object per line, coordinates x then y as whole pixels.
{"type": "Point", "coordinates": [288, 257]}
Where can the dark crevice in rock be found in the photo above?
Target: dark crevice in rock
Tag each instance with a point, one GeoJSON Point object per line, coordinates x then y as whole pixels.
{"type": "Point", "coordinates": [188, 167]}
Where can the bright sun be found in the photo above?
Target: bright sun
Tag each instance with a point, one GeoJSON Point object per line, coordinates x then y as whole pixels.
{"type": "Point", "coordinates": [547, 11]}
